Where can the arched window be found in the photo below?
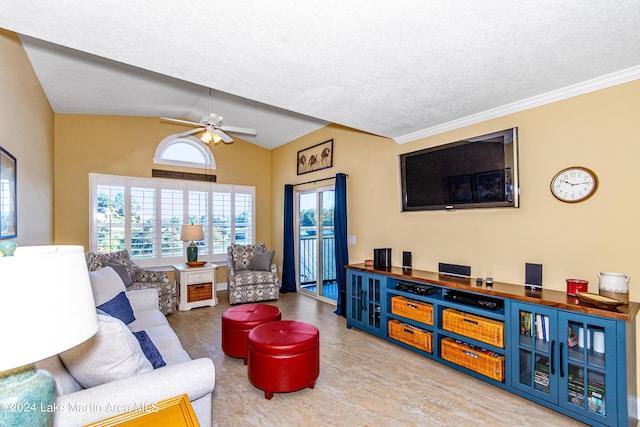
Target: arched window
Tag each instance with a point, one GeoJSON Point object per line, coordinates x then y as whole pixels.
{"type": "Point", "coordinates": [187, 151]}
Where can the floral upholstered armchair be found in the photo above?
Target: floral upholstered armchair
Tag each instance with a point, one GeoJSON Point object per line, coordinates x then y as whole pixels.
{"type": "Point", "coordinates": [136, 277]}
{"type": "Point", "coordinates": [251, 274]}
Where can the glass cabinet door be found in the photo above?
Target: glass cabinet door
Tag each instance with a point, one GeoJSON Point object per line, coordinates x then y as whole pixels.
{"type": "Point", "coordinates": [364, 294]}
{"type": "Point", "coordinates": [355, 294]}
{"type": "Point", "coordinates": [534, 358]}
{"type": "Point", "coordinates": [372, 298]}
{"type": "Point", "coordinates": [587, 376]}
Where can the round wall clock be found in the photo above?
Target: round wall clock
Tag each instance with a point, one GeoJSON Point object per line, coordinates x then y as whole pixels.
{"type": "Point", "coordinates": [574, 184]}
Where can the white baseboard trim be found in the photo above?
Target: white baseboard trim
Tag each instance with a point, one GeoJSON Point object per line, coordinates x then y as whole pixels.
{"type": "Point", "coordinates": [221, 286]}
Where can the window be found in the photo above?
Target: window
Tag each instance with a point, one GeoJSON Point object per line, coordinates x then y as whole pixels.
{"type": "Point", "coordinates": [186, 151]}
{"type": "Point", "coordinates": [143, 221]}
{"type": "Point", "coordinates": [198, 212]}
{"type": "Point", "coordinates": [145, 216]}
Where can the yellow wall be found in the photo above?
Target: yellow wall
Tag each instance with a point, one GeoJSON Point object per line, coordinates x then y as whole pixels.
{"type": "Point", "coordinates": [126, 146]}
{"type": "Point", "coordinates": [597, 130]}
{"type": "Point", "coordinates": [26, 120]}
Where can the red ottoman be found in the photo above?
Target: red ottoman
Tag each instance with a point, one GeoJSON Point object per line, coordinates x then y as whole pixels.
{"type": "Point", "coordinates": [283, 356]}
{"type": "Point", "coordinates": [238, 321]}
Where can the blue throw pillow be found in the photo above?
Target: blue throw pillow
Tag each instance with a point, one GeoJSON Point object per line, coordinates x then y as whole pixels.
{"type": "Point", "coordinates": [119, 307]}
{"type": "Point", "coordinates": [150, 350]}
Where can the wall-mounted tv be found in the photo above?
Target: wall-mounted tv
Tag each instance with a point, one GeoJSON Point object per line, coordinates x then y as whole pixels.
{"type": "Point", "coordinates": [479, 172]}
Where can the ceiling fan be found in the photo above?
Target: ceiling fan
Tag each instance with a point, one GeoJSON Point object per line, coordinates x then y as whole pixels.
{"type": "Point", "coordinates": [212, 126]}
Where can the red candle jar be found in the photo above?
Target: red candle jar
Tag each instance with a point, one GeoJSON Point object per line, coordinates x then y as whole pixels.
{"type": "Point", "coordinates": [577, 285]}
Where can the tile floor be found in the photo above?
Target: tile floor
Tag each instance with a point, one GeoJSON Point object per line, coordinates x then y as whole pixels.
{"type": "Point", "coordinates": [364, 381]}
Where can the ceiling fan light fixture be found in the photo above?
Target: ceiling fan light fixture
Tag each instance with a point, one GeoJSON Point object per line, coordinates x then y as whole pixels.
{"type": "Point", "coordinates": [212, 126]}
{"type": "Point", "coordinates": [207, 137]}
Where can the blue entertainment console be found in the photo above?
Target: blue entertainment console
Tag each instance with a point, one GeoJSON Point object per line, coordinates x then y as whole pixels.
{"type": "Point", "coordinates": [545, 346]}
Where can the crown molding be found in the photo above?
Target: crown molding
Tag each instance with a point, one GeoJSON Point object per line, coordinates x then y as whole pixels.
{"type": "Point", "coordinates": [581, 88]}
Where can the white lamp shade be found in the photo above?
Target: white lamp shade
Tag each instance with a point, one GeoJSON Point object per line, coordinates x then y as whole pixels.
{"type": "Point", "coordinates": [48, 305]}
{"type": "Point", "coordinates": [191, 232]}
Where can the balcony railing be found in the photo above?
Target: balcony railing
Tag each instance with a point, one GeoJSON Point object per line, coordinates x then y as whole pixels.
{"type": "Point", "coordinates": [308, 260]}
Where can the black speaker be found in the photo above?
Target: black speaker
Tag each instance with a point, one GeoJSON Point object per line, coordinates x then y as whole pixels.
{"type": "Point", "coordinates": [382, 258]}
{"type": "Point", "coordinates": [454, 270]}
{"type": "Point", "coordinates": [406, 260]}
{"type": "Point", "coordinates": [533, 275]}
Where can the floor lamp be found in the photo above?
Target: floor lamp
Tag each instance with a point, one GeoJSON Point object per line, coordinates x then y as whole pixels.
{"type": "Point", "coordinates": [48, 309]}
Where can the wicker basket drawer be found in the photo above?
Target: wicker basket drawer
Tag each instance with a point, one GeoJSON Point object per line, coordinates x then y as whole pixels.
{"type": "Point", "coordinates": [483, 361]}
{"type": "Point", "coordinates": [412, 309]}
{"type": "Point", "coordinates": [410, 335]}
{"type": "Point", "coordinates": [199, 292]}
{"type": "Point", "coordinates": [477, 327]}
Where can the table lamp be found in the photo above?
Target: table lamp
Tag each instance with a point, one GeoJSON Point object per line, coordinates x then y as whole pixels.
{"type": "Point", "coordinates": [191, 232]}
{"type": "Point", "coordinates": [48, 309]}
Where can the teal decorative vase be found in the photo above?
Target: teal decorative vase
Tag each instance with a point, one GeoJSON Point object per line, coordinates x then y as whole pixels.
{"type": "Point", "coordinates": [192, 252]}
{"type": "Point", "coordinates": [29, 396]}
{"type": "Point", "coordinates": [7, 247]}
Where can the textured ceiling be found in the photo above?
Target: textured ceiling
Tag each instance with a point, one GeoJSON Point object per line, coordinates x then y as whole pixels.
{"type": "Point", "coordinates": [288, 67]}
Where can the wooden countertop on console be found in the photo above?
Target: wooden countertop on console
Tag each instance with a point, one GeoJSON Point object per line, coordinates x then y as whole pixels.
{"type": "Point", "coordinates": [551, 298]}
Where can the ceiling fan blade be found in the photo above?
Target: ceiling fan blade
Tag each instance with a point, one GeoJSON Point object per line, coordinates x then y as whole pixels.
{"type": "Point", "coordinates": [191, 132]}
{"type": "Point", "coordinates": [226, 138]}
{"type": "Point", "coordinates": [184, 122]}
{"type": "Point", "coordinates": [214, 118]}
{"type": "Point", "coordinates": [236, 129]}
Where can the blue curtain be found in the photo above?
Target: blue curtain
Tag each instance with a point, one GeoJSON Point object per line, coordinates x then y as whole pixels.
{"type": "Point", "coordinates": [340, 232]}
{"type": "Point", "coordinates": [288, 257]}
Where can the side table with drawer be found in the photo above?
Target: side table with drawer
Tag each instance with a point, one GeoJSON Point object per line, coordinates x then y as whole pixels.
{"type": "Point", "coordinates": [196, 286]}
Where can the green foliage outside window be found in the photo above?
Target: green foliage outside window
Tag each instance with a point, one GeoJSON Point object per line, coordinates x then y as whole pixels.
{"type": "Point", "coordinates": [111, 235]}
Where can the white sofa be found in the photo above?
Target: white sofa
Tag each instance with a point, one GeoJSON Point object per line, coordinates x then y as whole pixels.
{"type": "Point", "coordinates": [76, 406]}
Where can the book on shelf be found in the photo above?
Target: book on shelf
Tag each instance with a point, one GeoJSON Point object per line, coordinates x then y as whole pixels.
{"type": "Point", "coordinates": [525, 324]}
{"type": "Point", "coordinates": [540, 328]}
{"type": "Point", "coordinates": [573, 338]}
{"type": "Point", "coordinates": [595, 399]}
{"type": "Point", "coordinates": [576, 377]}
{"type": "Point", "coordinates": [542, 380]}
{"type": "Point", "coordinates": [595, 387]}
{"type": "Point", "coordinates": [542, 365]}
{"type": "Point", "coordinates": [534, 326]}
{"type": "Point", "coordinates": [595, 392]}
{"type": "Point", "coordinates": [541, 373]}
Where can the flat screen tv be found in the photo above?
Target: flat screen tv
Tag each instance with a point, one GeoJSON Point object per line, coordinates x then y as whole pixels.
{"type": "Point", "coordinates": [479, 172]}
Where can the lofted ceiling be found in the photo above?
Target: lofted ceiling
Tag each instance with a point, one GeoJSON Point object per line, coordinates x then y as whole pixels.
{"type": "Point", "coordinates": [404, 71]}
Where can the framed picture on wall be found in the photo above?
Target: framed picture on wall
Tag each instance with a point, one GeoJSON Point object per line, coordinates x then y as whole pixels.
{"type": "Point", "coordinates": [8, 196]}
{"type": "Point", "coordinates": [315, 158]}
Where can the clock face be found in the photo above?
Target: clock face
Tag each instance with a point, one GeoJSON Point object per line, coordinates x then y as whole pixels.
{"type": "Point", "coordinates": [574, 184]}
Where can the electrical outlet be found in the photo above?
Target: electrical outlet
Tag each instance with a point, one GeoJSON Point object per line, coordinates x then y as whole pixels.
{"type": "Point", "coordinates": [352, 240]}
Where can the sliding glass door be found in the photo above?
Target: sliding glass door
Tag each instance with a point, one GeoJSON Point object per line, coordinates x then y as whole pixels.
{"type": "Point", "coordinates": [316, 265]}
